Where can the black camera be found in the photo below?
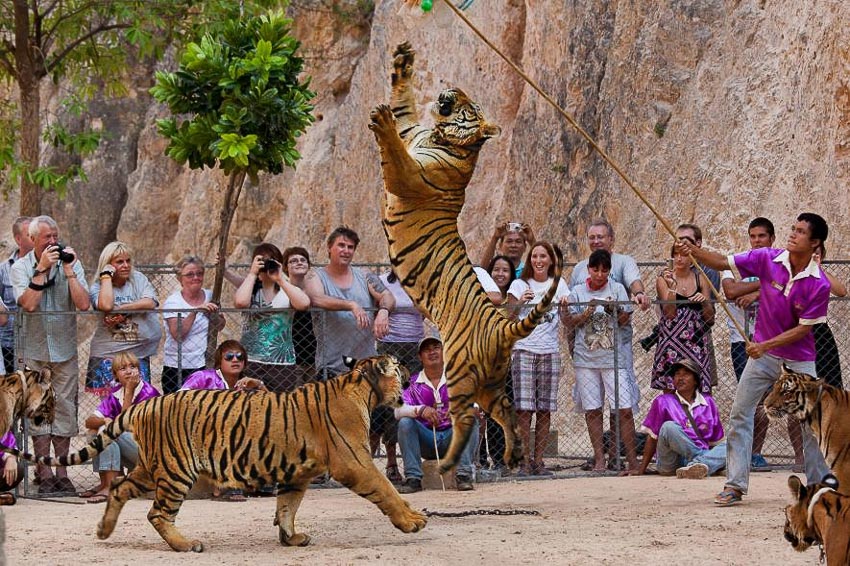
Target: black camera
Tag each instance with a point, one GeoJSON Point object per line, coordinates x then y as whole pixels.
{"type": "Point", "coordinates": [270, 266]}
{"type": "Point", "coordinates": [65, 257]}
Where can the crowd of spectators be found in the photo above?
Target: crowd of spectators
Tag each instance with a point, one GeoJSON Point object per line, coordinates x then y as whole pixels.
{"type": "Point", "coordinates": [284, 344]}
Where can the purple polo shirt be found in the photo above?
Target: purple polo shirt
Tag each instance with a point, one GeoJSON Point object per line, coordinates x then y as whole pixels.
{"type": "Point", "coordinates": [668, 407]}
{"type": "Point", "coordinates": [111, 407]}
{"type": "Point", "coordinates": [8, 441]}
{"type": "Point", "coordinates": [421, 392]}
{"type": "Point", "coordinates": [785, 301]}
{"type": "Point", "coordinates": [205, 379]}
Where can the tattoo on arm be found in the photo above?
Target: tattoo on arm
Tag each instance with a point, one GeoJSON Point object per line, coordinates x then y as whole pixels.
{"type": "Point", "coordinates": [375, 283]}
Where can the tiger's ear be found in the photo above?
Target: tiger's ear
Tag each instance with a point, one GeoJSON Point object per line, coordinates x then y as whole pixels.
{"type": "Point", "coordinates": [490, 130]}
{"type": "Point", "coordinates": [45, 376]}
{"type": "Point", "coordinates": [798, 490]}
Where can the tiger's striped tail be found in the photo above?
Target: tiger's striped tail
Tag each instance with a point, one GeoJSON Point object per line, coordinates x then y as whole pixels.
{"type": "Point", "coordinates": [525, 326]}
{"type": "Point", "coordinates": [95, 447]}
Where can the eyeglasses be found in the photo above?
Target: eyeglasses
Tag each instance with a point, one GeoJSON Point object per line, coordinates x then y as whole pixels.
{"type": "Point", "coordinates": [193, 275]}
{"type": "Point", "coordinates": [230, 356]}
{"type": "Point", "coordinates": [294, 260]}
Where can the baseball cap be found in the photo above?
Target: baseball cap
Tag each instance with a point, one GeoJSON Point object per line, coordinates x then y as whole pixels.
{"type": "Point", "coordinates": [686, 363]}
{"type": "Point", "coordinates": [426, 340]}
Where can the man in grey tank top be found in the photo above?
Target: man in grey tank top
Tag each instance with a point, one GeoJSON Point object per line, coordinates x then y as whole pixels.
{"type": "Point", "coordinates": [350, 326]}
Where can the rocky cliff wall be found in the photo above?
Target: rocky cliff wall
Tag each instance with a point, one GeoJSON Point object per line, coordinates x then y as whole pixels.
{"type": "Point", "coordinates": [718, 110]}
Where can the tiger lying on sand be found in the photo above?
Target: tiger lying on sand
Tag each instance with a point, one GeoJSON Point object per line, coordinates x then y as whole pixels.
{"type": "Point", "coordinates": [248, 440]}
{"type": "Point", "coordinates": [426, 172]}
{"type": "Point", "coordinates": [27, 393]}
{"type": "Point", "coordinates": [819, 514]}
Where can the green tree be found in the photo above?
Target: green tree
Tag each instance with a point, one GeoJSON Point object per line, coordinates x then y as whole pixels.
{"type": "Point", "coordinates": [241, 105]}
{"type": "Point", "coordinates": [88, 43]}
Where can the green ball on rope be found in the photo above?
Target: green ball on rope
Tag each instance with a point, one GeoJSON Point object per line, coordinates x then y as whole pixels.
{"type": "Point", "coordinates": [426, 5]}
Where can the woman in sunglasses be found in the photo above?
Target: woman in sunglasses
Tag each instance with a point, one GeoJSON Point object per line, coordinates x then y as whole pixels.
{"type": "Point", "coordinates": [230, 359]}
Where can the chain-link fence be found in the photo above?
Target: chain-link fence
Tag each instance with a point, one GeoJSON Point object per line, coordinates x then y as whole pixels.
{"type": "Point", "coordinates": [568, 448]}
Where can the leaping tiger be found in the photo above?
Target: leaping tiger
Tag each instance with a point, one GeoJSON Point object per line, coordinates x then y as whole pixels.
{"type": "Point", "coordinates": [426, 172]}
{"type": "Point", "coordinates": [248, 440]}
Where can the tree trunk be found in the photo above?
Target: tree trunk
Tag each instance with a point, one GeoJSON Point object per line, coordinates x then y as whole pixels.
{"type": "Point", "coordinates": [30, 68]}
{"type": "Point", "coordinates": [228, 211]}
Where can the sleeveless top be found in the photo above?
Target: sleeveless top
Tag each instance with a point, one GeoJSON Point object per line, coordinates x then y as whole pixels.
{"type": "Point", "coordinates": [337, 331]}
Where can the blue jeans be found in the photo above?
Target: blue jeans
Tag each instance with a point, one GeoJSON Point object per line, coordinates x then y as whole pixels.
{"type": "Point", "coordinates": [417, 441]}
{"type": "Point", "coordinates": [676, 449]}
{"type": "Point", "coordinates": [122, 451]}
{"type": "Point", "coordinates": [757, 379]}
{"type": "Point", "coordinates": [738, 351]}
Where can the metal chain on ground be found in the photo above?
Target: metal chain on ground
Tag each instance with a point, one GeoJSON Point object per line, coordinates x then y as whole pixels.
{"type": "Point", "coordinates": [481, 512]}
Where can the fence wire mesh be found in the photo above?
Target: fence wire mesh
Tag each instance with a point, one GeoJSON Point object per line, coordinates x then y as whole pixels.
{"type": "Point", "coordinates": [568, 447]}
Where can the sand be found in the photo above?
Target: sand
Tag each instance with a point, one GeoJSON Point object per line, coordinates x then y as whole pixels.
{"type": "Point", "coordinates": [602, 520]}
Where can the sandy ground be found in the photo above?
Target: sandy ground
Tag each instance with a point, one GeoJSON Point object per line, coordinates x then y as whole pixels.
{"type": "Point", "coordinates": [605, 520]}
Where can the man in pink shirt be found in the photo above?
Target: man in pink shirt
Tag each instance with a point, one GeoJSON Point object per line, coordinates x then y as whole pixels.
{"type": "Point", "coordinates": [794, 295]}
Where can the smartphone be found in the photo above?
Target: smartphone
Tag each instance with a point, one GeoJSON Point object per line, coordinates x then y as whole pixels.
{"type": "Point", "coordinates": [670, 263]}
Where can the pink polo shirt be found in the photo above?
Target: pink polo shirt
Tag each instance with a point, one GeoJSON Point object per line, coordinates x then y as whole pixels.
{"type": "Point", "coordinates": [785, 300]}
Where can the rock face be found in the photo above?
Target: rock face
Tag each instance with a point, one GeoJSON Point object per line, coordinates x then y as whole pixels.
{"type": "Point", "coordinates": [718, 111]}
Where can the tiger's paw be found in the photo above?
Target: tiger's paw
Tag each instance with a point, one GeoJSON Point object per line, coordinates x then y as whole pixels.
{"type": "Point", "coordinates": [403, 62]}
{"type": "Point", "coordinates": [410, 521]}
{"type": "Point", "coordinates": [187, 545]}
{"type": "Point", "coordinates": [298, 539]}
{"type": "Point", "coordinates": [382, 120]}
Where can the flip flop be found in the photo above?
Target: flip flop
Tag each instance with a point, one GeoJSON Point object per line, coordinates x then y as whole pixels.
{"type": "Point", "coordinates": [729, 496]}
{"type": "Point", "coordinates": [87, 493]}
{"type": "Point", "coordinates": [7, 498]}
{"type": "Point", "coordinates": [97, 498]}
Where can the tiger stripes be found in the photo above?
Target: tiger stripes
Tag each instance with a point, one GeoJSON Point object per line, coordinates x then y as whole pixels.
{"type": "Point", "coordinates": [425, 173]}
{"type": "Point", "coordinates": [250, 440]}
{"type": "Point", "coordinates": [826, 409]}
{"type": "Point", "coordinates": [819, 514]}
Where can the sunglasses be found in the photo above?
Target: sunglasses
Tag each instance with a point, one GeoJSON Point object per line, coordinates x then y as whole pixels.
{"type": "Point", "coordinates": [230, 356]}
{"type": "Point", "coordinates": [193, 274]}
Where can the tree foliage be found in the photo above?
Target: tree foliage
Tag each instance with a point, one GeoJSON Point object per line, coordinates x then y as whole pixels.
{"type": "Point", "coordinates": [240, 105]}
{"type": "Point", "coordinates": [86, 44]}
{"type": "Point", "coordinates": [243, 91]}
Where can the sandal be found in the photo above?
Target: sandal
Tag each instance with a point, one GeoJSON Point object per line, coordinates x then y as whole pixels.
{"type": "Point", "coordinates": [394, 475]}
{"type": "Point", "coordinates": [88, 493]}
{"type": "Point", "coordinates": [7, 498]}
{"type": "Point", "coordinates": [729, 496]}
{"type": "Point", "coordinates": [97, 498]}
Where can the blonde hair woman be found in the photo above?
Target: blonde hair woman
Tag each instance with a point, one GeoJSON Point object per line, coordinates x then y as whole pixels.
{"type": "Point", "coordinates": [130, 323]}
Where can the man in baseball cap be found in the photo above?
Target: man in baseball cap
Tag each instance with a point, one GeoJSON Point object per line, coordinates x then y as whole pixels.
{"type": "Point", "coordinates": [684, 426]}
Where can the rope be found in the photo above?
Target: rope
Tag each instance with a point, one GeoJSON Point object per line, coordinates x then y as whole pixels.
{"type": "Point", "coordinates": [601, 152]}
{"type": "Point", "coordinates": [437, 453]}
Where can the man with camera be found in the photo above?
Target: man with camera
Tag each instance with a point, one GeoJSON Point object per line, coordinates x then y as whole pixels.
{"type": "Point", "coordinates": [51, 279]}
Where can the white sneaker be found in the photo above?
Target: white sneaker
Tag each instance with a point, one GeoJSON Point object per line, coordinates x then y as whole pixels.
{"type": "Point", "coordinates": [696, 471]}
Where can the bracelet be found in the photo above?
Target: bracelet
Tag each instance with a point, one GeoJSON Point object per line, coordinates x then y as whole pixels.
{"type": "Point", "coordinates": [72, 276]}
{"type": "Point", "coordinates": [384, 309]}
{"type": "Point", "coordinates": [36, 287]}
{"type": "Point", "coordinates": [105, 277]}
{"type": "Point", "coordinates": [106, 273]}
{"type": "Point", "coordinates": [41, 272]}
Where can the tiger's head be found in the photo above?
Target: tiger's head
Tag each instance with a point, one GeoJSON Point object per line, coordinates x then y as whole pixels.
{"type": "Point", "coordinates": [385, 374]}
{"type": "Point", "coordinates": [39, 403]}
{"type": "Point", "coordinates": [799, 529]}
{"type": "Point", "coordinates": [793, 394]}
{"type": "Point", "coordinates": [459, 121]}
